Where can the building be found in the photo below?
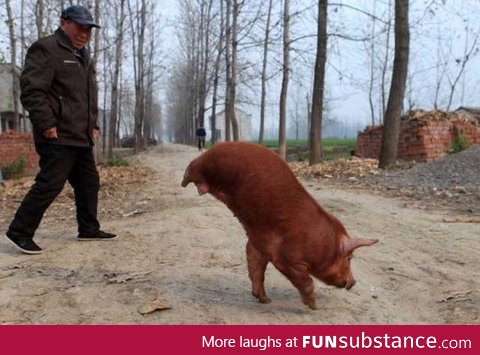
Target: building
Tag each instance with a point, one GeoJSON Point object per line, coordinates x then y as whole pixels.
{"type": "Point", "coordinates": [244, 125]}
{"type": "Point", "coordinates": [6, 99]}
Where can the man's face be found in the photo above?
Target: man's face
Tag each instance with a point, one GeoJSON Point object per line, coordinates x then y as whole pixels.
{"type": "Point", "coordinates": [78, 34]}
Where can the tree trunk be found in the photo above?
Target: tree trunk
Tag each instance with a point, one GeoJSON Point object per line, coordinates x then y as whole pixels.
{"type": "Point", "coordinates": [371, 54]}
{"type": "Point", "coordinates": [228, 64]}
{"type": "Point", "coordinates": [22, 56]}
{"type": "Point", "coordinates": [149, 103]}
{"type": "Point", "coordinates": [385, 66]}
{"type": "Point", "coordinates": [139, 84]}
{"type": "Point", "coordinates": [391, 129]}
{"type": "Point", "coordinates": [230, 118]}
{"type": "Point", "coordinates": [13, 62]}
{"type": "Point", "coordinates": [315, 142]}
{"type": "Point", "coordinates": [216, 76]}
{"type": "Point", "coordinates": [116, 73]}
{"type": "Point", "coordinates": [204, 65]}
{"type": "Point", "coordinates": [39, 14]}
{"type": "Point", "coordinates": [282, 132]}
{"type": "Point", "coordinates": [96, 45]}
{"type": "Point", "coordinates": [264, 74]}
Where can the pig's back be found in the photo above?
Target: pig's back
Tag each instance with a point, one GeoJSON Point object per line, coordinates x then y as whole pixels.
{"type": "Point", "coordinates": [260, 188]}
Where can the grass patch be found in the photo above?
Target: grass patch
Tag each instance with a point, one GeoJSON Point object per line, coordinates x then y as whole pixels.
{"type": "Point", "coordinates": [117, 161]}
{"type": "Point", "coordinates": [16, 169]}
{"type": "Point", "coordinates": [333, 148]}
{"type": "Point", "coordinates": [460, 143]}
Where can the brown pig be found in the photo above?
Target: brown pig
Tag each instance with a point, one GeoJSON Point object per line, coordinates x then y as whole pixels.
{"type": "Point", "coordinates": [284, 224]}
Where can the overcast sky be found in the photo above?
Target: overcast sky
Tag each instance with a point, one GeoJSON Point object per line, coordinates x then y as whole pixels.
{"type": "Point", "coordinates": [434, 24]}
{"type": "Point", "coordinates": [442, 26]}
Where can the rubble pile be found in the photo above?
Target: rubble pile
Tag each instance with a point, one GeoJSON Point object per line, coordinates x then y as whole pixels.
{"type": "Point", "coordinates": [424, 135]}
{"type": "Point", "coordinates": [452, 180]}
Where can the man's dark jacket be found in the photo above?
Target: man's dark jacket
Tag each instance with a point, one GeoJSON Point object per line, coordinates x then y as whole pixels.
{"type": "Point", "coordinates": [58, 88]}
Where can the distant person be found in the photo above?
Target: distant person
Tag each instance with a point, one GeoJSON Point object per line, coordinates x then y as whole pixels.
{"type": "Point", "coordinates": [201, 135]}
{"type": "Point", "coordinates": [59, 91]}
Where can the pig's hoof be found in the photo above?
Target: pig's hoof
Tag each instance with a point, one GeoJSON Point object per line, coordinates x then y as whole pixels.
{"type": "Point", "coordinates": [311, 304]}
{"type": "Point", "coordinates": [262, 299]}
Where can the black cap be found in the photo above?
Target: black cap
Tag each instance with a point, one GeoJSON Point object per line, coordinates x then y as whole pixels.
{"type": "Point", "coordinates": [79, 14]}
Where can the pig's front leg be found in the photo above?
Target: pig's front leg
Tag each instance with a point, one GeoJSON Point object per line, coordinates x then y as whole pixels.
{"type": "Point", "coordinates": [257, 264]}
{"type": "Point", "coordinates": [299, 276]}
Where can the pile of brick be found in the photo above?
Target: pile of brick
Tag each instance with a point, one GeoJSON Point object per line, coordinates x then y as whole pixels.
{"type": "Point", "coordinates": [424, 135]}
{"type": "Point", "coordinates": [13, 145]}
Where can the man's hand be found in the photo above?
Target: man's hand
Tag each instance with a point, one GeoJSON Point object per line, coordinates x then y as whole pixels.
{"type": "Point", "coordinates": [96, 133]}
{"type": "Point", "coordinates": [50, 133]}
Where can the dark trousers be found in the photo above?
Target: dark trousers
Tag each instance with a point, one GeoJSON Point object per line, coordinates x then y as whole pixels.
{"type": "Point", "coordinates": [57, 165]}
{"type": "Point", "coordinates": [201, 142]}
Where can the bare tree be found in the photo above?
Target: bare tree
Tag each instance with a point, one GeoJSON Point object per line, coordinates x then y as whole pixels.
{"type": "Point", "coordinates": [152, 111]}
{"type": "Point", "coordinates": [264, 73]}
{"type": "Point", "coordinates": [13, 63]}
{"type": "Point", "coordinates": [440, 69]}
{"type": "Point", "coordinates": [220, 48]}
{"type": "Point", "coordinates": [282, 130]}
{"type": "Point", "coordinates": [371, 53]}
{"type": "Point", "coordinates": [96, 44]}
{"type": "Point", "coordinates": [204, 65]}
{"type": "Point", "coordinates": [385, 64]}
{"type": "Point", "coordinates": [229, 96]}
{"type": "Point", "coordinates": [138, 24]}
{"type": "Point", "coordinates": [315, 142]}
{"type": "Point", "coordinates": [22, 56]}
{"type": "Point", "coordinates": [39, 15]}
{"type": "Point", "coordinates": [119, 20]}
{"type": "Point", "coordinates": [391, 129]}
{"type": "Point", "coordinates": [470, 50]}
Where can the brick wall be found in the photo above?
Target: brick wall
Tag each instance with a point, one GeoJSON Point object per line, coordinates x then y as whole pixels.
{"type": "Point", "coordinates": [13, 144]}
{"type": "Point", "coordinates": [424, 135]}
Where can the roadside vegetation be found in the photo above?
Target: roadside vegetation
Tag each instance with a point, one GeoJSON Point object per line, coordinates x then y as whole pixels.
{"type": "Point", "coordinates": [333, 148]}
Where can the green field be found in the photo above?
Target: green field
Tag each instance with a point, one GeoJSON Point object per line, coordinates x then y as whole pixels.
{"type": "Point", "coordinates": [333, 148]}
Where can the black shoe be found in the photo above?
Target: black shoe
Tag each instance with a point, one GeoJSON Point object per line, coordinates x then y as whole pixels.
{"type": "Point", "coordinates": [98, 235]}
{"type": "Point", "coordinates": [26, 245]}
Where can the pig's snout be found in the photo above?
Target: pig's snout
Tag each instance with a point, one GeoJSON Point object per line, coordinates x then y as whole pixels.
{"type": "Point", "coordinates": [349, 285]}
{"type": "Point", "coordinates": [346, 284]}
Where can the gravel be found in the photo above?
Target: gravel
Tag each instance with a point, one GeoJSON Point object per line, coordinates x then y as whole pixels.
{"type": "Point", "coordinates": [452, 181]}
{"type": "Point", "coordinates": [455, 171]}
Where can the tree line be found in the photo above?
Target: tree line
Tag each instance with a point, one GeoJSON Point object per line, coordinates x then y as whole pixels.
{"type": "Point", "coordinates": [230, 25]}
{"type": "Point", "coordinates": [246, 53]}
{"type": "Point", "coordinates": [262, 55]}
{"type": "Point", "coordinates": [126, 51]}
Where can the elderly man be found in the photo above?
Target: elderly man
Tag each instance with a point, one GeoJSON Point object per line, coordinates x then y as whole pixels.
{"type": "Point", "coordinates": [58, 89]}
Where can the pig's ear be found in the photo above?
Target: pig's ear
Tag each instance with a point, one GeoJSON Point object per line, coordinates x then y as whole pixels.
{"type": "Point", "coordinates": [186, 176]}
{"type": "Point", "coordinates": [348, 245]}
{"type": "Point", "coordinates": [186, 180]}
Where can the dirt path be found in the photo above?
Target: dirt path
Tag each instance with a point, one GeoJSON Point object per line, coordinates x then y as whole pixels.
{"type": "Point", "coordinates": [189, 251]}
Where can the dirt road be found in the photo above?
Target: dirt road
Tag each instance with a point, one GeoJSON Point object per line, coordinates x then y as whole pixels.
{"type": "Point", "coordinates": [189, 252]}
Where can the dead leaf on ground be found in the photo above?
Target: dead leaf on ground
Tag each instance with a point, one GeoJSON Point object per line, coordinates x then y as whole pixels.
{"type": "Point", "coordinates": [120, 190]}
{"type": "Point", "coordinates": [119, 279]}
{"type": "Point", "coordinates": [462, 219]}
{"type": "Point", "coordinates": [157, 305]}
{"type": "Point", "coordinates": [351, 169]}
{"type": "Point", "coordinates": [457, 296]}
{"type": "Point", "coordinates": [129, 214]}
